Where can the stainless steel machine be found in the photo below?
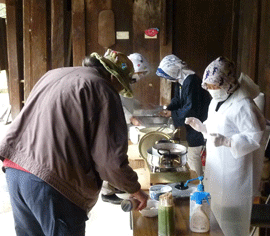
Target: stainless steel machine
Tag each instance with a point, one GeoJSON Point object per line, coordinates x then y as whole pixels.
{"type": "Point", "coordinates": [166, 160]}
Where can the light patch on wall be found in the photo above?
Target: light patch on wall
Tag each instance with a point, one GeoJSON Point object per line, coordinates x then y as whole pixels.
{"type": "Point", "coordinates": [122, 35]}
{"type": "Point", "coordinates": [2, 10]}
{"type": "Point", "coordinates": [150, 37]}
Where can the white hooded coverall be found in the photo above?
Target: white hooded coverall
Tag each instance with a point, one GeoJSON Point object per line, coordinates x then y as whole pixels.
{"type": "Point", "coordinates": [232, 174]}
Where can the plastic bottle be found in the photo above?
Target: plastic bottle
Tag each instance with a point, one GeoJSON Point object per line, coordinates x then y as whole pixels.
{"type": "Point", "coordinates": [129, 204]}
{"type": "Point", "coordinates": [199, 216]}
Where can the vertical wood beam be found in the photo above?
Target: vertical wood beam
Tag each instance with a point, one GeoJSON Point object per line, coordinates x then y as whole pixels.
{"type": "Point", "coordinates": [146, 15]}
{"type": "Point", "coordinates": [93, 8]}
{"type": "Point", "coordinates": [264, 55]}
{"type": "Point", "coordinates": [248, 38]}
{"type": "Point", "coordinates": [12, 46]}
{"type": "Point", "coordinates": [35, 42]}
{"type": "Point", "coordinates": [235, 29]}
{"type": "Point", "coordinates": [3, 43]}
{"type": "Point", "coordinates": [26, 47]}
{"type": "Point", "coordinates": [166, 47]}
{"type": "Point", "coordinates": [78, 32]}
{"type": "Point", "coordinates": [123, 22]}
{"type": "Point", "coordinates": [39, 57]}
{"type": "Point", "coordinates": [57, 33]}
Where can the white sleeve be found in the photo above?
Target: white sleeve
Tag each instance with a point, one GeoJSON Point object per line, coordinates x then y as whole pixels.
{"type": "Point", "coordinates": [251, 126]}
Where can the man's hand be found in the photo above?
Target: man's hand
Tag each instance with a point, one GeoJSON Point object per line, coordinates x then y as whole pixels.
{"type": "Point", "coordinates": [142, 197]}
{"type": "Point", "coordinates": [196, 124]}
{"type": "Point", "coordinates": [220, 140]}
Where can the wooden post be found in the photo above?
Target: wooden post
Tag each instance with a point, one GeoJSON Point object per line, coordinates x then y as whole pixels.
{"type": "Point", "coordinates": [78, 32]}
{"type": "Point", "coordinates": [248, 38]}
{"type": "Point", "coordinates": [35, 43]}
{"type": "Point", "coordinates": [57, 33]}
{"type": "Point", "coordinates": [12, 46]}
{"type": "Point", "coordinates": [147, 15]}
{"type": "Point", "coordinates": [3, 43]}
{"type": "Point", "coordinates": [38, 40]}
{"type": "Point", "coordinates": [166, 48]}
{"type": "Point", "coordinates": [26, 47]}
{"type": "Point", "coordinates": [264, 55]}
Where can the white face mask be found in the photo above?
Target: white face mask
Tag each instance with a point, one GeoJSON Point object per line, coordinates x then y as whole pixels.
{"type": "Point", "coordinates": [218, 95]}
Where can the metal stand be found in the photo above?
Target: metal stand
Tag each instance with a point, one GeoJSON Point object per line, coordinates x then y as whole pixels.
{"type": "Point", "coordinates": [255, 227]}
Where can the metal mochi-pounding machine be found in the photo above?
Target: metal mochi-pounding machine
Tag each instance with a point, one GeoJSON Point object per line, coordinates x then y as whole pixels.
{"type": "Point", "coordinates": [166, 157]}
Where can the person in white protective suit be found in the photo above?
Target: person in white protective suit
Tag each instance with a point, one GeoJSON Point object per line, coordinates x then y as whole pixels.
{"type": "Point", "coordinates": [141, 69]}
{"type": "Point", "coordinates": [236, 138]}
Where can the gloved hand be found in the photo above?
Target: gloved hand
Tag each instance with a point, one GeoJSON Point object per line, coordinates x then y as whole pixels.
{"type": "Point", "coordinates": [220, 140]}
{"type": "Point", "coordinates": [196, 124]}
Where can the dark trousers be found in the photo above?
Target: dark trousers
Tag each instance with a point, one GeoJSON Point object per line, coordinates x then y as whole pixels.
{"type": "Point", "coordinates": [40, 210]}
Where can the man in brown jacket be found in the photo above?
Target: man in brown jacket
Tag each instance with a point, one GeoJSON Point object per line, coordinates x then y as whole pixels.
{"type": "Point", "coordinates": [69, 137]}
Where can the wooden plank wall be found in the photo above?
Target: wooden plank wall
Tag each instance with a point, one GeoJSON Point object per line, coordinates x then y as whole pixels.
{"type": "Point", "coordinates": [202, 31]}
{"type": "Point", "coordinates": [264, 54]}
{"type": "Point", "coordinates": [38, 29]}
{"type": "Point", "coordinates": [146, 16]}
{"type": "Point", "coordinates": [78, 31]}
{"type": "Point", "coordinates": [60, 33]}
{"type": "Point", "coordinates": [254, 45]}
{"type": "Point", "coordinates": [3, 43]}
{"type": "Point", "coordinates": [43, 35]}
{"type": "Point", "coordinates": [14, 85]}
{"type": "Point", "coordinates": [248, 38]}
{"type": "Point", "coordinates": [57, 34]}
{"type": "Point", "coordinates": [38, 43]}
{"type": "Point", "coordinates": [166, 47]}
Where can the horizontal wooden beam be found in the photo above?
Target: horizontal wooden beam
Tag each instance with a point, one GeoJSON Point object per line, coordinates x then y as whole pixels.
{"type": "Point", "coordinates": [2, 1]}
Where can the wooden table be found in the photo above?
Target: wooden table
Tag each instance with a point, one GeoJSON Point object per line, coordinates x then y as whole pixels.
{"type": "Point", "coordinates": [144, 226]}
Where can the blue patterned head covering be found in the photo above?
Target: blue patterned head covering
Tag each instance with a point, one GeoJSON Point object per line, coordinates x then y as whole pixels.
{"type": "Point", "coordinates": [221, 72]}
{"type": "Point", "coordinates": [173, 68]}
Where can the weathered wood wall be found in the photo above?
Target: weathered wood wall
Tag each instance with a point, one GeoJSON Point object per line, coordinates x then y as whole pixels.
{"type": "Point", "coordinates": [3, 43]}
{"type": "Point", "coordinates": [263, 58]}
{"type": "Point", "coordinates": [203, 31]}
{"type": "Point", "coordinates": [60, 33]}
{"type": "Point", "coordinates": [42, 35]}
{"type": "Point", "coordinates": [15, 85]}
{"type": "Point", "coordinates": [254, 45]}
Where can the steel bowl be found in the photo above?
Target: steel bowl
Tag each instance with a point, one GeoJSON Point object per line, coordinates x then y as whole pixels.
{"type": "Point", "coordinates": [166, 162]}
{"type": "Point", "coordinates": [169, 151]}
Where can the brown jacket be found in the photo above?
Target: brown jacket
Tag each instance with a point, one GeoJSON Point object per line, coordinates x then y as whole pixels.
{"type": "Point", "coordinates": [72, 134]}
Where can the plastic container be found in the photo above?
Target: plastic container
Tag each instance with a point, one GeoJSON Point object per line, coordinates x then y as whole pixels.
{"type": "Point", "coordinates": [199, 215]}
{"type": "Point", "coordinates": [156, 190]}
{"type": "Point", "coordinates": [151, 209]}
{"type": "Point", "coordinates": [129, 204]}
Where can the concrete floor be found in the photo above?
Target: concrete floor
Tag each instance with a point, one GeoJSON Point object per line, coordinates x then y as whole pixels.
{"type": "Point", "coordinates": [104, 219]}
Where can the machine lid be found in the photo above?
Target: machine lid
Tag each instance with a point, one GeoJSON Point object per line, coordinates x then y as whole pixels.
{"type": "Point", "coordinates": [149, 140]}
{"type": "Point", "coordinates": [172, 148]}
